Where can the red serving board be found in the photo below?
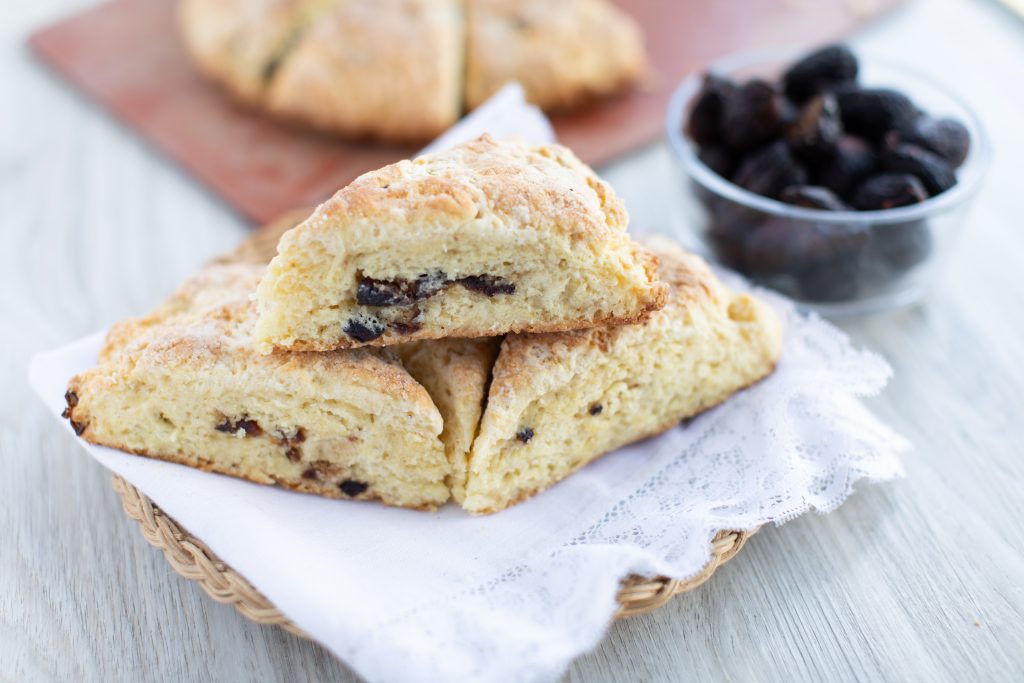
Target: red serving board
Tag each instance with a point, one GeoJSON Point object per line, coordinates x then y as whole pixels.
{"type": "Point", "coordinates": [125, 54]}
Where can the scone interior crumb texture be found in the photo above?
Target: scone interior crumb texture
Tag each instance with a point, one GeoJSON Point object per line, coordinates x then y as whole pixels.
{"type": "Point", "coordinates": [480, 240]}
{"type": "Point", "coordinates": [186, 384]}
{"type": "Point", "coordinates": [558, 401]}
{"type": "Point", "coordinates": [406, 69]}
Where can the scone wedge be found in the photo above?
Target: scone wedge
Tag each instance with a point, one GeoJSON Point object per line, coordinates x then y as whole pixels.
{"type": "Point", "coordinates": [186, 384]}
{"type": "Point", "coordinates": [389, 69]}
{"type": "Point", "coordinates": [558, 401]}
{"type": "Point", "coordinates": [564, 53]}
{"type": "Point", "coordinates": [480, 240]}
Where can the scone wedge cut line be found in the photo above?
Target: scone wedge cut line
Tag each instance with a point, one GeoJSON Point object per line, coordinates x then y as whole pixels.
{"type": "Point", "coordinates": [187, 384]}
{"type": "Point", "coordinates": [558, 401]}
{"type": "Point", "coordinates": [481, 240]}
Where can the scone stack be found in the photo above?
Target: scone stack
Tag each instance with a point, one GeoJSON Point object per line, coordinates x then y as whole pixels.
{"type": "Point", "coordinates": [474, 324]}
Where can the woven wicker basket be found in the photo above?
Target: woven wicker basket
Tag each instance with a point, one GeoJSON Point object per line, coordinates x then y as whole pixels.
{"type": "Point", "coordinates": [190, 557]}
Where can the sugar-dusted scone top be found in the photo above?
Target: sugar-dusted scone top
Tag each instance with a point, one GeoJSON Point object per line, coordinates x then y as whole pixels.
{"type": "Point", "coordinates": [186, 384]}
{"type": "Point", "coordinates": [563, 53]}
{"type": "Point", "coordinates": [456, 373]}
{"type": "Point", "coordinates": [483, 239]}
{"type": "Point", "coordinates": [558, 401]}
{"type": "Point", "coordinates": [390, 69]}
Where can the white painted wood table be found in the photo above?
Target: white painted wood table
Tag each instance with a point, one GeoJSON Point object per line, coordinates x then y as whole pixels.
{"type": "Point", "coordinates": [922, 579]}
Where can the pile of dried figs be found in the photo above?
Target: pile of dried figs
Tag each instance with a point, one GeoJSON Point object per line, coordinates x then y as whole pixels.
{"type": "Point", "coordinates": [818, 139]}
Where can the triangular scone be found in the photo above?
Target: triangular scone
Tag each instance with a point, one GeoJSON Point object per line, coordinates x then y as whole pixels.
{"type": "Point", "coordinates": [389, 69]}
{"type": "Point", "coordinates": [563, 53]}
{"type": "Point", "coordinates": [482, 239]}
{"type": "Point", "coordinates": [241, 43]}
{"type": "Point", "coordinates": [558, 401]}
{"type": "Point", "coordinates": [186, 384]}
{"type": "Point", "coordinates": [456, 373]}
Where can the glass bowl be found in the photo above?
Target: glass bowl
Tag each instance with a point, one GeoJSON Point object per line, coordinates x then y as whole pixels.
{"type": "Point", "coordinates": [835, 262]}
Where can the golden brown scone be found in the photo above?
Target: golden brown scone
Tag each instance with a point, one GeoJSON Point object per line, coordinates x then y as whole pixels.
{"type": "Point", "coordinates": [389, 69]}
{"type": "Point", "coordinates": [563, 53]}
{"type": "Point", "coordinates": [241, 43]}
{"type": "Point", "coordinates": [186, 384]}
{"type": "Point", "coordinates": [477, 241]}
{"type": "Point", "coordinates": [558, 401]}
{"type": "Point", "coordinates": [456, 373]}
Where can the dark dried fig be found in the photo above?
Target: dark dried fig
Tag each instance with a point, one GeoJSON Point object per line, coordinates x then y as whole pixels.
{"type": "Point", "coordinates": [730, 226]}
{"type": "Point", "coordinates": [946, 138]}
{"type": "Point", "coordinates": [792, 246]}
{"type": "Point", "coordinates": [851, 161]}
{"type": "Point", "coordinates": [371, 292]}
{"type": "Point", "coordinates": [901, 245]}
{"type": "Point", "coordinates": [705, 123]}
{"type": "Point", "coordinates": [775, 247]}
{"type": "Point", "coordinates": [873, 112]}
{"type": "Point", "coordinates": [352, 488]}
{"type": "Point", "coordinates": [813, 197]}
{"type": "Point", "coordinates": [770, 170]}
{"type": "Point", "coordinates": [756, 114]}
{"type": "Point", "coordinates": [488, 285]}
{"type": "Point", "coordinates": [363, 328]}
{"type": "Point", "coordinates": [816, 130]}
{"type": "Point", "coordinates": [834, 280]}
{"type": "Point", "coordinates": [934, 173]}
{"type": "Point", "coordinates": [718, 159]}
{"type": "Point", "coordinates": [819, 71]}
{"type": "Point", "coordinates": [888, 191]}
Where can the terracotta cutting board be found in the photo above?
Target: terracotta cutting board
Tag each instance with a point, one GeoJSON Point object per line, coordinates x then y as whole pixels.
{"type": "Point", "coordinates": [125, 54]}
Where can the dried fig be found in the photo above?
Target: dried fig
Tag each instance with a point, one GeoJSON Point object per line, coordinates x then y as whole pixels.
{"type": "Point", "coordinates": [813, 197]}
{"type": "Point", "coordinates": [888, 191]}
{"type": "Point", "coordinates": [816, 130]}
{"type": "Point", "coordinates": [934, 173]}
{"type": "Point", "coordinates": [705, 122]}
{"type": "Point", "coordinates": [819, 71]}
{"type": "Point", "coordinates": [756, 114]}
{"type": "Point", "coordinates": [946, 138]}
{"type": "Point", "coordinates": [718, 159]}
{"type": "Point", "coordinates": [851, 161]}
{"type": "Point", "coordinates": [873, 112]}
{"type": "Point", "coordinates": [770, 170]}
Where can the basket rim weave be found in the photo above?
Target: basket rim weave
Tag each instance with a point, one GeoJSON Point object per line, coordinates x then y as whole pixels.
{"type": "Point", "coordinates": [192, 559]}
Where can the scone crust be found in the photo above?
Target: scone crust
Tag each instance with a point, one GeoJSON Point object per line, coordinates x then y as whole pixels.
{"type": "Point", "coordinates": [564, 53]}
{"type": "Point", "coordinates": [481, 190]}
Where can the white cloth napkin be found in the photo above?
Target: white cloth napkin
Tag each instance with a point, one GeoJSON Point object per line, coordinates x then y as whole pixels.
{"type": "Point", "coordinates": [412, 596]}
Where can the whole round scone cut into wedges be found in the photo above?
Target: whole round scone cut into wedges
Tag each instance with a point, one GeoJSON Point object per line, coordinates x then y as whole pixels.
{"type": "Point", "coordinates": [403, 70]}
{"type": "Point", "coordinates": [186, 384]}
{"type": "Point", "coordinates": [480, 240]}
{"type": "Point", "coordinates": [558, 401]}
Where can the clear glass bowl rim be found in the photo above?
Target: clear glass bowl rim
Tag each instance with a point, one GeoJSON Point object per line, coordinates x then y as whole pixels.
{"type": "Point", "coordinates": [969, 174]}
